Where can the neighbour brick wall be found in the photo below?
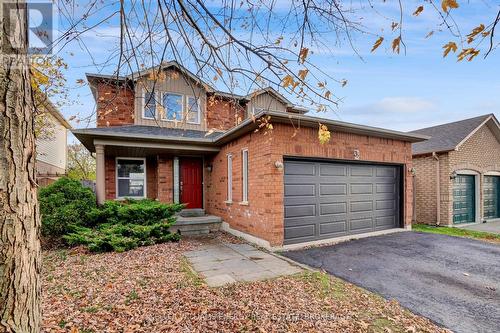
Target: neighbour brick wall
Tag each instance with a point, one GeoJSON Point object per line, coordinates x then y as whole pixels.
{"type": "Point", "coordinates": [263, 217]}
{"type": "Point", "coordinates": [425, 189]}
{"type": "Point", "coordinates": [480, 153]}
{"type": "Point", "coordinates": [165, 179]}
{"type": "Point", "coordinates": [223, 114]}
{"type": "Point", "coordinates": [115, 105]}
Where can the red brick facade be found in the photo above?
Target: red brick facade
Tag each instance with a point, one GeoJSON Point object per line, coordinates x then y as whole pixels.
{"type": "Point", "coordinates": [263, 216]}
{"type": "Point", "coordinates": [115, 105]}
{"type": "Point", "coordinates": [223, 114]}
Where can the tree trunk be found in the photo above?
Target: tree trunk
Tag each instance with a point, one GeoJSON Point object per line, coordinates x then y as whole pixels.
{"type": "Point", "coordinates": [20, 259]}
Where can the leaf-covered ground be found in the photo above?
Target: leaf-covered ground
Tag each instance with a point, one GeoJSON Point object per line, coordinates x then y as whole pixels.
{"type": "Point", "coordinates": [153, 289]}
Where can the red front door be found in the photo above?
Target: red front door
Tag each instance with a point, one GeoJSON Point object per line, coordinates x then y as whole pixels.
{"type": "Point", "coordinates": [191, 170]}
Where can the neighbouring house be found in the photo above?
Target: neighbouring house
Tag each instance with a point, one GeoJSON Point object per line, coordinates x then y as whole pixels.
{"type": "Point", "coordinates": [178, 139]}
{"type": "Point", "coordinates": [457, 172]}
{"type": "Point", "coordinates": [51, 144]}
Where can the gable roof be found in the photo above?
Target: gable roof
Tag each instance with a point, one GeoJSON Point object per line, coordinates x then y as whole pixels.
{"type": "Point", "coordinates": [450, 136]}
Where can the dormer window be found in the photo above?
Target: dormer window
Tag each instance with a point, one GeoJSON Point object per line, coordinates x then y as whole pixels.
{"type": "Point", "coordinates": [149, 105]}
{"type": "Point", "coordinates": [193, 115]}
{"type": "Point", "coordinates": [173, 106]}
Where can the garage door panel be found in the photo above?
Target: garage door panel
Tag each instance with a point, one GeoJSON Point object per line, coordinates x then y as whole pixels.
{"type": "Point", "coordinates": [332, 189]}
{"type": "Point", "coordinates": [386, 188]}
{"type": "Point", "coordinates": [384, 172]}
{"type": "Point", "coordinates": [303, 231]}
{"type": "Point", "coordinates": [361, 206]}
{"type": "Point", "coordinates": [347, 199]}
{"type": "Point", "coordinates": [361, 188]}
{"type": "Point", "coordinates": [333, 228]}
{"type": "Point", "coordinates": [333, 208]}
{"type": "Point", "coordinates": [300, 168]}
{"type": "Point", "coordinates": [300, 211]}
{"type": "Point", "coordinates": [302, 190]}
{"type": "Point", "coordinates": [360, 171]}
{"type": "Point", "coordinates": [361, 223]}
{"type": "Point", "coordinates": [385, 221]}
{"type": "Point", "coordinates": [385, 204]}
{"type": "Point", "coordinates": [332, 170]}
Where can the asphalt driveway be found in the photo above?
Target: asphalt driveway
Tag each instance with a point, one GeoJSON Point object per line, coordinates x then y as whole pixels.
{"type": "Point", "coordinates": [453, 281]}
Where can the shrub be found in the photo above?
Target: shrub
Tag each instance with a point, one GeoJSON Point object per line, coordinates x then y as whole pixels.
{"type": "Point", "coordinates": [63, 205]}
{"type": "Point", "coordinates": [122, 226]}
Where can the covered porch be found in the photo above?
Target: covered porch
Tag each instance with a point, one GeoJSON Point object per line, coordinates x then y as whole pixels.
{"type": "Point", "coordinates": [169, 166]}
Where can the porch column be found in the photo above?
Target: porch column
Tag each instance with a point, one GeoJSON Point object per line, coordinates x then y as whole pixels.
{"type": "Point", "coordinates": [100, 189]}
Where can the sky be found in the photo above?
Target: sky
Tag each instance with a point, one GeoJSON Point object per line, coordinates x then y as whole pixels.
{"type": "Point", "coordinates": [414, 89]}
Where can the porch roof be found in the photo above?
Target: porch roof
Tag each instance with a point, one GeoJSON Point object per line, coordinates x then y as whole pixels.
{"type": "Point", "coordinates": [192, 140]}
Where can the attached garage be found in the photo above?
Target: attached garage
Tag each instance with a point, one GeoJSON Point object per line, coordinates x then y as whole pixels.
{"type": "Point", "coordinates": [491, 191]}
{"type": "Point", "coordinates": [326, 199]}
{"type": "Point", "coordinates": [464, 199]}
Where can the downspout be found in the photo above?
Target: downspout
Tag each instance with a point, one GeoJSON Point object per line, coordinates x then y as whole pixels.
{"type": "Point", "coordinates": [438, 190]}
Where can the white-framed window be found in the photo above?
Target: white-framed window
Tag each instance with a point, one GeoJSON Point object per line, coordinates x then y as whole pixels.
{"type": "Point", "coordinates": [229, 178]}
{"type": "Point", "coordinates": [149, 110]}
{"type": "Point", "coordinates": [244, 163]}
{"type": "Point", "coordinates": [130, 177]}
{"type": "Point", "coordinates": [193, 110]}
{"type": "Point", "coordinates": [174, 106]}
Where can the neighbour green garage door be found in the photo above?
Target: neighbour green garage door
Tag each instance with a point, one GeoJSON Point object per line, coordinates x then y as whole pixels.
{"type": "Point", "coordinates": [464, 199]}
{"type": "Point", "coordinates": [490, 194]}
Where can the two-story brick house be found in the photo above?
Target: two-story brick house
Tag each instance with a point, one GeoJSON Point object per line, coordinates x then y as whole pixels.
{"type": "Point", "coordinates": [174, 138]}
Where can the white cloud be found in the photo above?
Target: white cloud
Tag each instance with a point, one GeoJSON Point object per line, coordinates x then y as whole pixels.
{"type": "Point", "coordinates": [399, 112]}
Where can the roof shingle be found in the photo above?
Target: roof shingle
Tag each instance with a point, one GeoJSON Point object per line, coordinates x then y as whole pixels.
{"type": "Point", "coordinates": [446, 137]}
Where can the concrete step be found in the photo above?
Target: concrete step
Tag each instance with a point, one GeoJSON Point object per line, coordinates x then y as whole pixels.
{"type": "Point", "coordinates": [192, 212]}
{"type": "Point", "coordinates": [196, 225]}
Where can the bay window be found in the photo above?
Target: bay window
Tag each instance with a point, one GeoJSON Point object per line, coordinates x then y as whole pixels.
{"type": "Point", "coordinates": [130, 178]}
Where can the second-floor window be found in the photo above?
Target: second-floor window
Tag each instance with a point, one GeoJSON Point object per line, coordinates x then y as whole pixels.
{"type": "Point", "coordinates": [173, 106]}
{"type": "Point", "coordinates": [193, 115]}
{"type": "Point", "coordinates": [149, 105]}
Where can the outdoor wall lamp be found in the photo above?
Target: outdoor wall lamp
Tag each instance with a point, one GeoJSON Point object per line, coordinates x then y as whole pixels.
{"type": "Point", "coordinates": [453, 175]}
{"type": "Point", "coordinates": [413, 171]}
{"type": "Point", "coordinates": [209, 168]}
{"type": "Point", "coordinates": [278, 165]}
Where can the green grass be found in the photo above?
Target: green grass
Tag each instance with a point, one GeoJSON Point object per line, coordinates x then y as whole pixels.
{"type": "Point", "coordinates": [458, 232]}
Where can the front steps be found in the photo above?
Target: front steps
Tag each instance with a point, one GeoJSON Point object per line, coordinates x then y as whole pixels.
{"type": "Point", "coordinates": [194, 212]}
{"type": "Point", "coordinates": [196, 225]}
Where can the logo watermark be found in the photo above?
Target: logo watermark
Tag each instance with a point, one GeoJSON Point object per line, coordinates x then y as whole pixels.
{"type": "Point", "coordinates": [40, 27]}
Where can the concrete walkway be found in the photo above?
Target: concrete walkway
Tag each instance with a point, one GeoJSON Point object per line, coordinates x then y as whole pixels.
{"type": "Point", "coordinates": [222, 264]}
{"type": "Point", "coordinates": [493, 227]}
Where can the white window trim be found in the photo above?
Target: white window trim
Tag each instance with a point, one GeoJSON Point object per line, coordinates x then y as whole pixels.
{"type": "Point", "coordinates": [229, 178]}
{"type": "Point", "coordinates": [187, 109]}
{"type": "Point", "coordinates": [144, 105]}
{"type": "Point", "coordinates": [116, 177]}
{"type": "Point", "coordinates": [244, 175]}
{"type": "Point", "coordinates": [165, 107]}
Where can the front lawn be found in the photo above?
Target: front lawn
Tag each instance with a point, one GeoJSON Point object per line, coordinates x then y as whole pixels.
{"type": "Point", "coordinates": [153, 289]}
{"type": "Point", "coordinates": [458, 232]}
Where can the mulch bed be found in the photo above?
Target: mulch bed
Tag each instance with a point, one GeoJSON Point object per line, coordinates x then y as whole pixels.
{"type": "Point", "coordinates": [152, 289]}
